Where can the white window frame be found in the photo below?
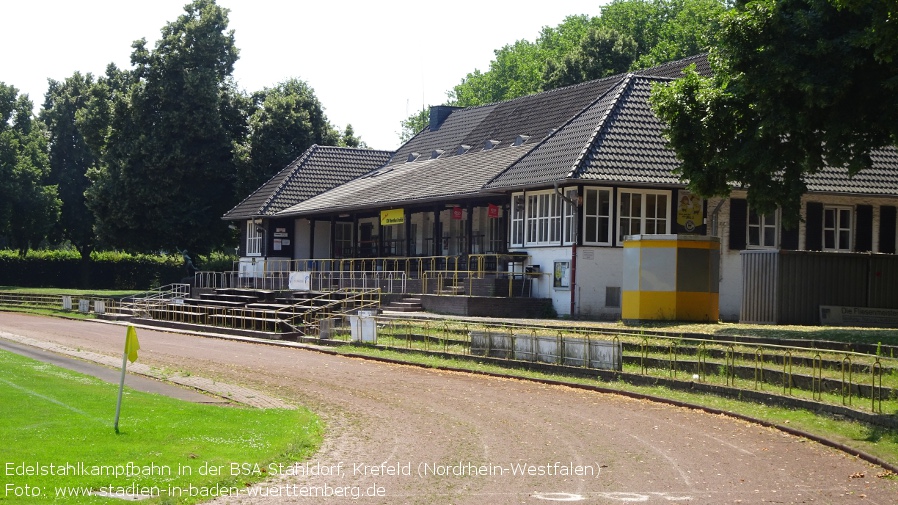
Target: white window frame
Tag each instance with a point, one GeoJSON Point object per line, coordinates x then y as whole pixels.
{"type": "Point", "coordinates": [763, 223]}
{"type": "Point", "coordinates": [570, 215]}
{"type": "Point", "coordinates": [254, 237]}
{"type": "Point", "coordinates": [589, 194]}
{"type": "Point", "coordinates": [839, 227]}
{"type": "Point", "coordinates": [543, 218]}
{"type": "Point", "coordinates": [516, 223]}
{"type": "Point", "coordinates": [642, 218]}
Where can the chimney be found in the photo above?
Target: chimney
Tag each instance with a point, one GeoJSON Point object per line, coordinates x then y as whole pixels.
{"type": "Point", "coordinates": [438, 114]}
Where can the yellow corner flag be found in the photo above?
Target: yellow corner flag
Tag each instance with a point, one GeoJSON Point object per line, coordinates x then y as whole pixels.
{"type": "Point", "coordinates": [131, 344]}
{"type": "Point", "coordinates": [131, 348]}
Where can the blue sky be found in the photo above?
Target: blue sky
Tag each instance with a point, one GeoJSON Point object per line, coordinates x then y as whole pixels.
{"type": "Point", "coordinates": [371, 63]}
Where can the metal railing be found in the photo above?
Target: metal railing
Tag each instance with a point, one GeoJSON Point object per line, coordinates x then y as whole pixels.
{"type": "Point", "coordinates": [835, 377]}
{"type": "Point", "coordinates": [74, 302]}
{"type": "Point", "coordinates": [143, 303]}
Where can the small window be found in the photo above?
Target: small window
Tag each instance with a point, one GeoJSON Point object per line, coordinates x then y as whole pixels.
{"type": "Point", "coordinates": [837, 228]}
{"type": "Point", "coordinates": [597, 216]}
{"type": "Point", "coordinates": [254, 238]}
{"type": "Point", "coordinates": [762, 229]}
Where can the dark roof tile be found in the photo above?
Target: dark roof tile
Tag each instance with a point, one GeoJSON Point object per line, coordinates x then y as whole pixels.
{"type": "Point", "coordinates": [317, 170]}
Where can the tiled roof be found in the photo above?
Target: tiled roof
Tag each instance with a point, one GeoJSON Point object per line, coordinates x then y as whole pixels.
{"type": "Point", "coordinates": [880, 179]}
{"type": "Point", "coordinates": [674, 69]}
{"type": "Point", "coordinates": [317, 170]}
{"type": "Point", "coordinates": [416, 182]}
{"type": "Point", "coordinates": [629, 147]}
{"type": "Point", "coordinates": [602, 130]}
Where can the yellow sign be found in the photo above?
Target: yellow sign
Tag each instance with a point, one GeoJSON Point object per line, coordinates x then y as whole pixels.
{"type": "Point", "coordinates": [689, 211]}
{"type": "Point", "coordinates": [392, 216]}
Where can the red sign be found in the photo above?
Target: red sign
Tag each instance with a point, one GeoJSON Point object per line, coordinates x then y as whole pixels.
{"type": "Point", "coordinates": [492, 211]}
{"type": "Point", "coordinates": [456, 213]}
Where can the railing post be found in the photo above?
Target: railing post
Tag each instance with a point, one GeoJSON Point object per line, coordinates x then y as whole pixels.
{"type": "Point", "coordinates": [876, 371]}
{"type": "Point", "coordinates": [846, 387]}
{"type": "Point", "coordinates": [759, 367]}
{"type": "Point", "coordinates": [787, 372]}
{"type": "Point", "coordinates": [817, 377]}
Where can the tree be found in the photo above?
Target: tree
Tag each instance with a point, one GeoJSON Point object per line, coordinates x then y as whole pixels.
{"type": "Point", "coordinates": [602, 53]}
{"type": "Point", "coordinates": [412, 125]}
{"type": "Point", "coordinates": [70, 158]}
{"type": "Point", "coordinates": [664, 30]}
{"type": "Point", "coordinates": [285, 121]}
{"type": "Point", "coordinates": [518, 68]}
{"type": "Point", "coordinates": [798, 85]}
{"type": "Point", "coordinates": [167, 170]}
{"type": "Point", "coordinates": [29, 205]}
{"type": "Point", "coordinates": [348, 139]}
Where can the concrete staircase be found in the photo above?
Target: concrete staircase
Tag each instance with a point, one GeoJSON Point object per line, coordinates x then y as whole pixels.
{"type": "Point", "coordinates": [405, 305]}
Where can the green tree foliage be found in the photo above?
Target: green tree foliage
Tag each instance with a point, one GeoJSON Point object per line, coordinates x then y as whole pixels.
{"type": "Point", "coordinates": [70, 158]}
{"type": "Point", "coordinates": [583, 48]}
{"type": "Point", "coordinates": [798, 85]}
{"type": "Point", "coordinates": [167, 169]}
{"type": "Point", "coordinates": [601, 53]}
{"type": "Point", "coordinates": [413, 124]}
{"type": "Point", "coordinates": [29, 205]}
{"type": "Point", "coordinates": [349, 139]}
{"type": "Point", "coordinates": [285, 121]}
{"type": "Point", "coordinates": [664, 30]}
{"type": "Point", "coordinates": [518, 68]}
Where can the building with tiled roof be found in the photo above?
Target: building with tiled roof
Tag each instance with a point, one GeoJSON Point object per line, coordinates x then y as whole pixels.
{"type": "Point", "coordinates": [563, 176]}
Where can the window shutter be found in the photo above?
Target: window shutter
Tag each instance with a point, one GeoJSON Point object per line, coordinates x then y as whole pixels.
{"type": "Point", "coordinates": [864, 238]}
{"type": "Point", "coordinates": [738, 223]}
{"type": "Point", "coordinates": [887, 223]}
{"type": "Point", "coordinates": [789, 238]}
{"type": "Point", "coordinates": [814, 226]}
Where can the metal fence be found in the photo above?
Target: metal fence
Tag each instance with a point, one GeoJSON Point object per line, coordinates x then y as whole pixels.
{"type": "Point", "coordinates": [851, 378]}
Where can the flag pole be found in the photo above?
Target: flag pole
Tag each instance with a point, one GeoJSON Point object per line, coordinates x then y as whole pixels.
{"type": "Point", "coordinates": [131, 348]}
{"type": "Point", "coordinates": [121, 386]}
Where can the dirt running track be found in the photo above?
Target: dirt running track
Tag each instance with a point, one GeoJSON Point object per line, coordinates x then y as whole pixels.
{"type": "Point", "coordinates": [433, 425]}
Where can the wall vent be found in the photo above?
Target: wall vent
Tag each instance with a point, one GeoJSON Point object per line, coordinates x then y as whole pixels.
{"type": "Point", "coordinates": [612, 296]}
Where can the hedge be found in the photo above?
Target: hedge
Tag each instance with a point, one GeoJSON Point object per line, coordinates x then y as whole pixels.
{"type": "Point", "coordinates": [108, 270]}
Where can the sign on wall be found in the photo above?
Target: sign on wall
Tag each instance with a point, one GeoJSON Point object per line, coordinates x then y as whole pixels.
{"type": "Point", "coordinates": [492, 211]}
{"type": "Point", "coordinates": [690, 213]}
{"type": "Point", "coordinates": [562, 274]}
{"type": "Point", "coordinates": [392, 216]}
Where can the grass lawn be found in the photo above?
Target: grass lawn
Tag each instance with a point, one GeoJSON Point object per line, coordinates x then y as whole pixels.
{"type": "Point", "coordinates": [57, 436]}
{"type": "Point", "coordinates": [110, 293]}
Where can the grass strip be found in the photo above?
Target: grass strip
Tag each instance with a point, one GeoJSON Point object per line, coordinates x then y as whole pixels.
{"type": "Point", "coordinates": [58, 437]}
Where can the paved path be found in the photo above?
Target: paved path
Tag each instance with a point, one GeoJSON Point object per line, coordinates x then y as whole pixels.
{"type": "Point", "coordinates": [422, 436]}
{"type": "Point", "coordinates": [110, 372]}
